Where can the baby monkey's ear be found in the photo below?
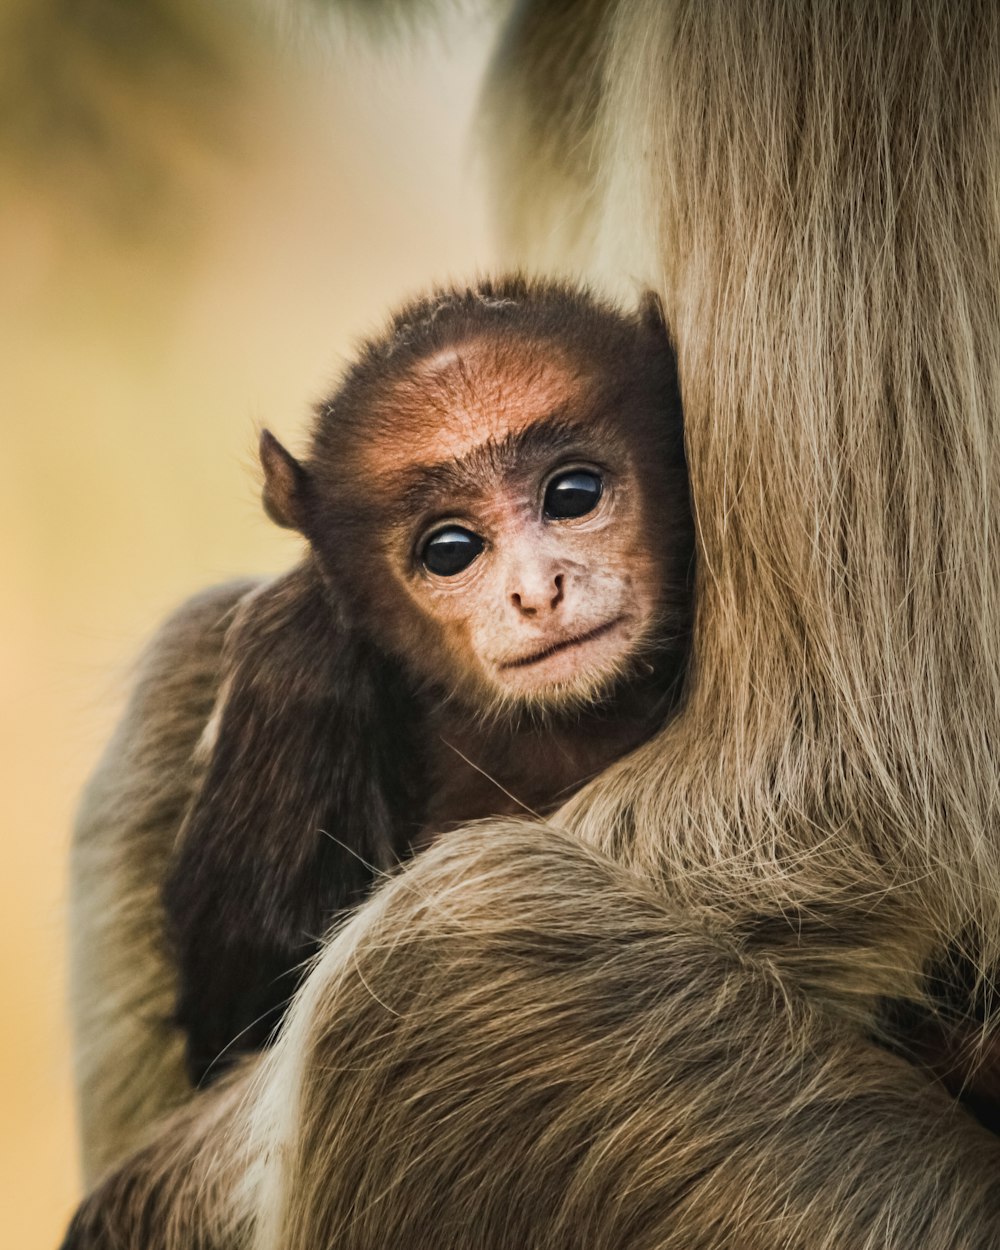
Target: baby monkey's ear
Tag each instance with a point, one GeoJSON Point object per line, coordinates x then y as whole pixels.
{"type": "Point", "coordinates": [285, 484]}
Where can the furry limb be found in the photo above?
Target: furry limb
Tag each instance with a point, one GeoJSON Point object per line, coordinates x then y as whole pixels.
{"type": "Point", "coordinates": [517, 1043]}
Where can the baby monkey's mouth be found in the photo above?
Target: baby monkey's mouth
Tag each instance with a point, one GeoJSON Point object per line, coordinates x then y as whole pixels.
{"type": "Point", "coordinates": [537, 656]}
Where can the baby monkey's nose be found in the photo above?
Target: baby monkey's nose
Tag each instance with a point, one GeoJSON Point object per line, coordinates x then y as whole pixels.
{"type": "Point", "coordinates": [539, 594]}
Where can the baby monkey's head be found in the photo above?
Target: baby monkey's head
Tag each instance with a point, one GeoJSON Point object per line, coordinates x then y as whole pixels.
{"type": "Point", "coordinates": [496, 495]}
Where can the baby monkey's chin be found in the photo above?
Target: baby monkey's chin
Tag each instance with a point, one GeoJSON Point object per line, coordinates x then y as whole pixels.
{"type": "Point", "coordinates": [577, 669]}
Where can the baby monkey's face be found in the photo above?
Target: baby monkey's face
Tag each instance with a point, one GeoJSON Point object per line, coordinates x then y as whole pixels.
{"type": "Point", "coordinates": [540, 588]}
{"type": "Point", "coordinates": [525, 543]}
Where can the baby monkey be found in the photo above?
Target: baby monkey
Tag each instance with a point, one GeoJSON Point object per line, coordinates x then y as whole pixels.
{"type": "Point", "coordinates": [493, 606]}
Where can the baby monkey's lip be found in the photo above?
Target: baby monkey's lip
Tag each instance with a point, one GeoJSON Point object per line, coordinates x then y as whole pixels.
{"type": "Point", "coordinates": [537, 656]}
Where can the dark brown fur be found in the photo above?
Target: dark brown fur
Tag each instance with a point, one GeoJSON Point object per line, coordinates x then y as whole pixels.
{"type": "Point", "coordinates": [343, 737]}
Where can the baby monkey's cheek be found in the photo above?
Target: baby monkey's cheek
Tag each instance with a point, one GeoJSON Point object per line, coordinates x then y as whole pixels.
{"type": "Point", "coordinates": [488, 640]}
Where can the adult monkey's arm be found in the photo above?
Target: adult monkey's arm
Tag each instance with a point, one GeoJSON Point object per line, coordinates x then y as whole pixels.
{"type": "Point", "coordinates": [515, 1043]}
{"type": "Point", "coordinates": [129, 1058]}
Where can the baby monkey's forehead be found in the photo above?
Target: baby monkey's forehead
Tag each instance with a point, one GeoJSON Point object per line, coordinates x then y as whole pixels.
{"type": "Point", "coordinates": [466, 397]}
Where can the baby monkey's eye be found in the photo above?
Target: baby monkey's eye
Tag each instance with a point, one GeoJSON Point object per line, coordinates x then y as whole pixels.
{"type": "Point", "coordinates": [572, 494]}
{"type": "Point", "coordinates": [450, 550]}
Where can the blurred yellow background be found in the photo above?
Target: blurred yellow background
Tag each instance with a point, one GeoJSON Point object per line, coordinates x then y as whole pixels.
{"type": "Point", "coordinates": [196, 221]}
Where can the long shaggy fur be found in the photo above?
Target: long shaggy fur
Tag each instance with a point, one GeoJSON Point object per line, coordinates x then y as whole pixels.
{"type": "Point", "coordinates": [670, 1038]}
{"type": "Point", "coordinates": [822, 187]}
{"type": "Point", "coordinates": [129, 1062]}
{"type": "Point", "coordinates": [518, 1042]}
{"type": "Point", "coordinates": [569, 1062]}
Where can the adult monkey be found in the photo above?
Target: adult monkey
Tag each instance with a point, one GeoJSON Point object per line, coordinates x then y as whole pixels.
{"type": "Point", "coordinates": [667, 1037]}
